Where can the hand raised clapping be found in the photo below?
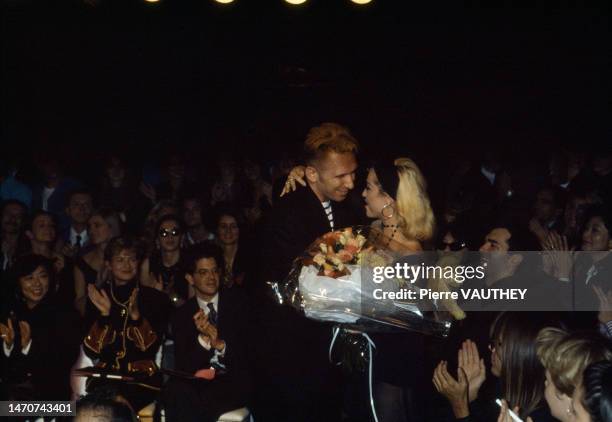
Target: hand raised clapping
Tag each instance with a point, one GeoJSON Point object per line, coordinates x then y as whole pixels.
{"type": "Point", "coordinates": [7, 332]}
{"type": "Point", "coordinates": [100, 299]}
{"type": "Point", "coordinates": [473, 366]}
{"type": "Point", "coordinates": [207, 329]}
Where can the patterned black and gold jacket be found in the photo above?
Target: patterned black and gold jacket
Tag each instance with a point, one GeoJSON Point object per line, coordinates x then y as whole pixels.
{"type": "Point", "coordinates": [122, 345]}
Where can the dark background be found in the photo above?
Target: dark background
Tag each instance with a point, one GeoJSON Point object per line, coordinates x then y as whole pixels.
{"type": "Point", "coordinates": [256, 74]}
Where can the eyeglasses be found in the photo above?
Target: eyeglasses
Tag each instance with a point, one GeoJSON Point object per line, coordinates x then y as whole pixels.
{"type": "Point", "coordinates": [455, 246]}
{"type": "Point", "coordinates": [494, 345]}
{"type": "Point", "coordinates": [165, 233]}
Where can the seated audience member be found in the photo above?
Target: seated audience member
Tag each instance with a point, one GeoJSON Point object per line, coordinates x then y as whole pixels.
{"type": "Point", "coordinates": [104, 405]}
{"type": "Point", "coordinates": [129, 322]}
{"type": "Point", "coordinates": [229, 187]}
{"type": "Point", "coordinates": [602, 170]}
{"type": "Point", "coordinates": [52, 194]}
{"type": "Point", "coordinates": [104, 225]}
{"type": "Point", "coordinates": [513, 360]}
{"type": "Point", "coordinates": [13, 215]}
{"type": "Point", "coordinates": [578, 201]}
{"type": "Point", "coordinates": [565, 356]}
{"type": "Point", "coordinates": [165, 268]}
{"type": "Point", "coordinates": [78, 210]}
{"type": "Point", "coordinates": [453, 237]}
{"type": "Point", "coordinates": [40, 338]}
{"type": "Point", "coordinates": [259, 192]}
{"type": "Point", "coordinates": [118, 190]}
{"type": "Point", "coordinates": [40, 238]}
{"type": "Point", "coordinates": [512, 261]}
{"type": "Point", "coordinates": [594, 268]}
{"type": "Point", "coordinates": [174, 178]}
{"type": "Point", "coordinates": [592, 401]}
{"type": "Point", "coordinates": [235, 260]}
{"type": "Point", "coordinates": [547, 212]}
{"type": "Point", "coordinates": [210, 330]}
{"type": "Point", "coordinates": [159, 210]}
{"type": "Point", "coordinates": [193, 216]}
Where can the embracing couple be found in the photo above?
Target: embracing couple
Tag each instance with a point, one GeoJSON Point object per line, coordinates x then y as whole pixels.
{"type": "Point", "coordinates": [298, 382]}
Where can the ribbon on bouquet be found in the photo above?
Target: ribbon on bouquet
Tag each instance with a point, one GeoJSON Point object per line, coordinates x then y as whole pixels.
{"type": "Point", "coordinates": [335, 332]}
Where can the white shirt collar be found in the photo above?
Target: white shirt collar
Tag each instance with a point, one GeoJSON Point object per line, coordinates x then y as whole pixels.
{"type": "Point", "coordinates": [204, 305]}
{"type": "Point", "coordinates": [73, 234]}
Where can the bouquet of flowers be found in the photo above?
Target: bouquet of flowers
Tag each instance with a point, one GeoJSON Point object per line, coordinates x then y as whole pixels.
{"type": "Point", "coordinates": [333, 281]}
{"type": "Point", "coordinates": [337, 251]}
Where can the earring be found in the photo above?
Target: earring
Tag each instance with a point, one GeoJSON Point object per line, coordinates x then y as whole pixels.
{"type": "Point", "coordinates": [382, 211]}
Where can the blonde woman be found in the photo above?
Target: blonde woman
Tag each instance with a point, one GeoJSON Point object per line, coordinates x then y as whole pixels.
{"type": "Point", "coordinates": [396, 198]}
{"type": "Point", "coordinates": [565, 357]}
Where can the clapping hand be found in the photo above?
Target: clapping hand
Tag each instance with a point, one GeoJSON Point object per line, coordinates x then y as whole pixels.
{"type": "Point", "coordinates": [133, 305]}
{"type": "Point", "coordinates": [7, 333]}
{"type": "Point", "coordinates": [558, 255]}
{"type": "Point", "coordinates": [208, 330]}
{"type": "Point", "coordinates": [469, 360]}
{"type": "Point", "coordinates": [455, 390]}
{"type": "Point", "coordinates": [26, 333]}
{"type": "Point", "coordinates": [605, 304]}
{"type": "Point", "coordinates": [100, 299]}
{"type": "Point", "coordinates": [295, 175]}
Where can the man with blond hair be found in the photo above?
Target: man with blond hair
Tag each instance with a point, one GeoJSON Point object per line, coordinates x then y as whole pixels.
{"type": "Point", "coordinates": [297, 382]}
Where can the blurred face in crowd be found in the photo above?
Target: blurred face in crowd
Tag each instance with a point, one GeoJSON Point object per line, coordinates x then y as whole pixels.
{"type": "Point", "coordinates": [12, 218]}
{"type": "Point", "coordinates": [50, 170]}
{"type": "Point", "coordinates": [43, 229]}
{"type": "Point", "coordinates": [169, 236]}
{"type": "Point", "coordinates": [227, 230]}
{"type": "Point", "coordinates": [580, 413]}
{"type": "Point", "coordinates": [251, 170]}
{"type": "Point", "coordinates": [544, 207]}
{"type": "Point", "coordinates": [115, 172]}
{"type": "Point", "coordinates": [80, 208]}
{"type": "Point", "coordinates": [124, 266]}
{"type": "Point", "coordinates": [205, 279]}
{"type": "Point", "coordinates": [228, 171]}
{"type": "Point", "coordinates": [450, 243]}
{"type": "Point", "coordinates": [192, 213]}
{"type": "Point", "coordinates": [375, 198]}
{"type": "Point", "coordinates": [332, 175]}
{"type": "Point", "coordinates": [35, 286]}
{"type": "Point", "coordinates": [596, 236]}
{"type": "Point", "coordinates": [99, 230]}
{"type": "Point", "coordinates": [558, 402]}
{"type": "Point", "coordinates": [574, 212]}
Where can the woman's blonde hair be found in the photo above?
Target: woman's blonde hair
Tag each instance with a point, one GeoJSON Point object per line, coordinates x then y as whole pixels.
{"type": "Point", "coordinates": [566, 355]}
{"type": "Point", "coordinates": [413, 206]}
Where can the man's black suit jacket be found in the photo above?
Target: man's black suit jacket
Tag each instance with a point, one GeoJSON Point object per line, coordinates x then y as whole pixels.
{"type": "Point", "coordinates": [293, 224]}
{"type": "Point", "coordinates": [233, 314]}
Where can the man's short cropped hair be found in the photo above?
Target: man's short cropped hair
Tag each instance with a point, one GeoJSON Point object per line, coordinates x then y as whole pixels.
{"type": "Point", "coordinates": [328, 137]}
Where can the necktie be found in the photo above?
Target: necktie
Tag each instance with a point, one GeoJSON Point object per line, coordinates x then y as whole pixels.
{"type": "Point", "coordinates": [212, 314]}
{"type": "Point", "coordinates": [77, 243]}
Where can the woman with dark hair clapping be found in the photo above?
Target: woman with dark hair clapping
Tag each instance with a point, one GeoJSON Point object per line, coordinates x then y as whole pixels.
{"type": "Point", "coordinates": [40, 339]}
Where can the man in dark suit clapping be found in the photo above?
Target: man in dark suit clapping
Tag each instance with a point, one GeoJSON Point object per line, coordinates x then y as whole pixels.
{"type": "Point", "coordinates": [210, 330]}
